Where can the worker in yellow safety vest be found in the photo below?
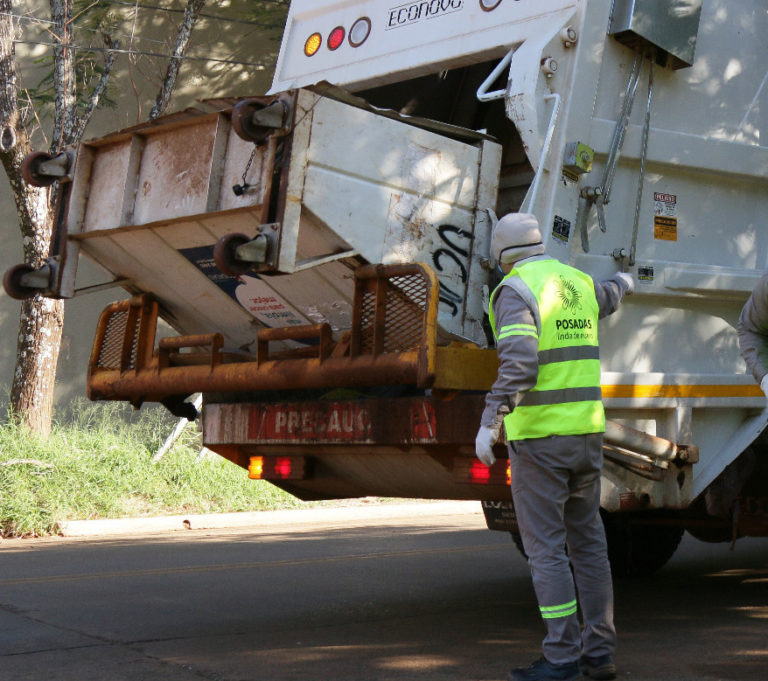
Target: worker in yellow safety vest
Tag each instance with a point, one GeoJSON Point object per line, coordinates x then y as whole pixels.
{"type": "Point", "coordinates": [753, 333]}
{"type": "Point", "coordinates": [544, 316]}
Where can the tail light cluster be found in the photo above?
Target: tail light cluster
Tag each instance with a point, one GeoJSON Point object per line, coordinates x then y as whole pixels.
{"type": "Point", "coordinates": [358, 33]}
{"type": "Point", "coordinates": [471, 471]}
{"type": "Point", "coordinates": [278, 468]}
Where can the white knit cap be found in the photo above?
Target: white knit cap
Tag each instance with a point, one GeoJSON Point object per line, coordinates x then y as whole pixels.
{"type": "Point", "coordinates": [515, 237]}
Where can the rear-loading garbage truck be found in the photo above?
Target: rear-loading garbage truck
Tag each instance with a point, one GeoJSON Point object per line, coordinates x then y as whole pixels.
{"type": "Point", "coordinates": [322, 251]}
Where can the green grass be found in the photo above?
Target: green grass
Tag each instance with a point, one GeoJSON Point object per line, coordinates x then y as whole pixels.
{"type": "Point", "coordinates": [98, 464]}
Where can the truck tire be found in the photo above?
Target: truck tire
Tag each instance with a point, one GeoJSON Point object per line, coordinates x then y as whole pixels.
{"type": "Point", "coordinates": [635, 549]}
{"type": "Point", "coordinates": [519, 543]}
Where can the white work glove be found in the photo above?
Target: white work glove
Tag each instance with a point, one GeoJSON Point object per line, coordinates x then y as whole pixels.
{"type": "Point", "coordinates": [486, 438]}
{"type": "Point", "coordinates": [764, 385]}
{"type": "Point", "coordinates": [626, 277]}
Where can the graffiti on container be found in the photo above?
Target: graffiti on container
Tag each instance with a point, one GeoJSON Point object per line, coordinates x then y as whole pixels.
{"type": "Point", "coordinates": [453, 255]}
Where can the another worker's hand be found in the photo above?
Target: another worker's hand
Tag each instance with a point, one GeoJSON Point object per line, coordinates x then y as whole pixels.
{"type": "Point", "coordinates": [486, 438]}
{"type": "Point", "coordinates": [628, 280]}
{"type": "Point", "coordinates": [764, 385]}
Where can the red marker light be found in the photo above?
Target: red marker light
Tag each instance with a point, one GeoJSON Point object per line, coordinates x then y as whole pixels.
{"type": "Point", "coordinates": [336, 38]}
{"type": "Point", "coordinates": [472, 471]}
{"type": "Point", "coordinates": [479, 473]}
{"type": "Point", "coordinates": [283, 466]}
{"type": "Point", "coordinates": [312, 45]}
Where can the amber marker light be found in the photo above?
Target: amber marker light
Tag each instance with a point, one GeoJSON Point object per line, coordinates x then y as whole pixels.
{"type": "Point", "coordinates": [256, 468]}
{"type": "Point", "coordinates": [336, 38]}
{"type": "Point", "coordinates": [313, 44]}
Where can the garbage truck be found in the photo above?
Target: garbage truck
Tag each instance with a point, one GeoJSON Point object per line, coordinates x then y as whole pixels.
{"type": "Point", "coordinates": [319, 254]}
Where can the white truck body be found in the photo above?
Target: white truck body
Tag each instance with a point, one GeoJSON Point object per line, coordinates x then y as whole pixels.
{"type": "Point", "coordinates": [670, 355]}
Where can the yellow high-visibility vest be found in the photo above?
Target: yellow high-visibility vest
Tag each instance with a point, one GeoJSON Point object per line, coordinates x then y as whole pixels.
{"type": "Point", "coordinates": [566, 399]}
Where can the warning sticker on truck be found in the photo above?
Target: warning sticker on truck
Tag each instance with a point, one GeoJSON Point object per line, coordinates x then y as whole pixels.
{"type": "Point", "coordinates": [664, 228]}
{"type": "Point", "coordinates": [645, 274]}
{"type": "Point", "coordinates": [561, 229]}
{"type": "Point", "coordinates": [665, 216]}
{"type": "Point", "coordinates": [665, 204]}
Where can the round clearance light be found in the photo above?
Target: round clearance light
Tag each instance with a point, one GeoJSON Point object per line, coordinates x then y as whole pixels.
{"type": "Point", "coordinates": [313, 44]}
{"type": "Point", "coordinates": [489, 5]}
{"type": "Point", "coordinates": [360, 31]}
{"type": "Point", "coordinates": [336, 38]}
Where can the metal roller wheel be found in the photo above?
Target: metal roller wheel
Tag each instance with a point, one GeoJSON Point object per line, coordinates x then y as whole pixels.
{"type": "Point", "coordinates": [12, 282]}
{"type": "Point", "coordinates": [30, 169]}
{"type": "Point", "coordinates": [244, 125]}
{"type": "Point", "coordinates": [225, 254]}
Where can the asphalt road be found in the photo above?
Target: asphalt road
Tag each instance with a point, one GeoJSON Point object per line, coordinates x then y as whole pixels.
{"type": "Point", "coordinates": [430, 596]}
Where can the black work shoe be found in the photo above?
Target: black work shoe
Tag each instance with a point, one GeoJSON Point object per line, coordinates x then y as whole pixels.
{"type": "Point", "coordinates": [543, 670]}
{"type": "Point", "coordinates": [599, 668]}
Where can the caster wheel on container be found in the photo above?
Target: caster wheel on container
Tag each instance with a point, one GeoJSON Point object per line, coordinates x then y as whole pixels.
{"type": "Point", "coordinates": [12, 282]}
{"type": "Point", "coordinates": [225, 255]}
{"type": "Point", "coordinates": [247, 129]}
{"type": "Point", "coordinates": [30, 169]}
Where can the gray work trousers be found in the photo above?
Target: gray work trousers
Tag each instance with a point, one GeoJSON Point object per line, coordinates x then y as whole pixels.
{"type": "Point", "coordinates": [556, 492]}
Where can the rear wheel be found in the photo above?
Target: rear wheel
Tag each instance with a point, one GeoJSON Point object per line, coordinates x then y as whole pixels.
{"type": "Point", "coordinates": [636, 549]}
{"type": "Point", "coordinates": [519, 543]}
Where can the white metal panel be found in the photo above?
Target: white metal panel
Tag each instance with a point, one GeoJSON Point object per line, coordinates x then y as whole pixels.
{"type": "Point", "coordinates": [242, 159]}
{"type": "Point", "coordinates": [174, 178]}
{"type": "Point", "coordinates": [406, 39]}
{"type": "Point", "coordinates": [196, 305]}
{"type": "Point", "coordinates": [106, 187]}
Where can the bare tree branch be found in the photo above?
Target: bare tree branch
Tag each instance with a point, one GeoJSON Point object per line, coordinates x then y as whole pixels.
{"type": "Point", "coordinates": [182, 40]}
{"type": "Point", "coordinates": [98, 91]}
{"type": "Point", "coordinates": [65, 102]}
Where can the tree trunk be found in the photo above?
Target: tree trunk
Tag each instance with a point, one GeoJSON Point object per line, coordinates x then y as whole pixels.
{"type": "Point", "coordinates": [191, 14]}
{"type": "Point", "coordinates": [40, 325]}
{"type": "Point", "coordinates": [40, 328]}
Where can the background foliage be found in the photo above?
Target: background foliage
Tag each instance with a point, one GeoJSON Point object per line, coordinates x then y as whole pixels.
{"type": "Point", "coordinates": [97, 463]}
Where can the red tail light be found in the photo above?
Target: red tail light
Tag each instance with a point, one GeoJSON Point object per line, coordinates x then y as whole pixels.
{"type": "Point", "coordinates": [473, 472]}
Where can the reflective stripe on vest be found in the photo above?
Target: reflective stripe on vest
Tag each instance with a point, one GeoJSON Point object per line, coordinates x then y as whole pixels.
{"type": "Point", "coordinates": [566, 399]}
